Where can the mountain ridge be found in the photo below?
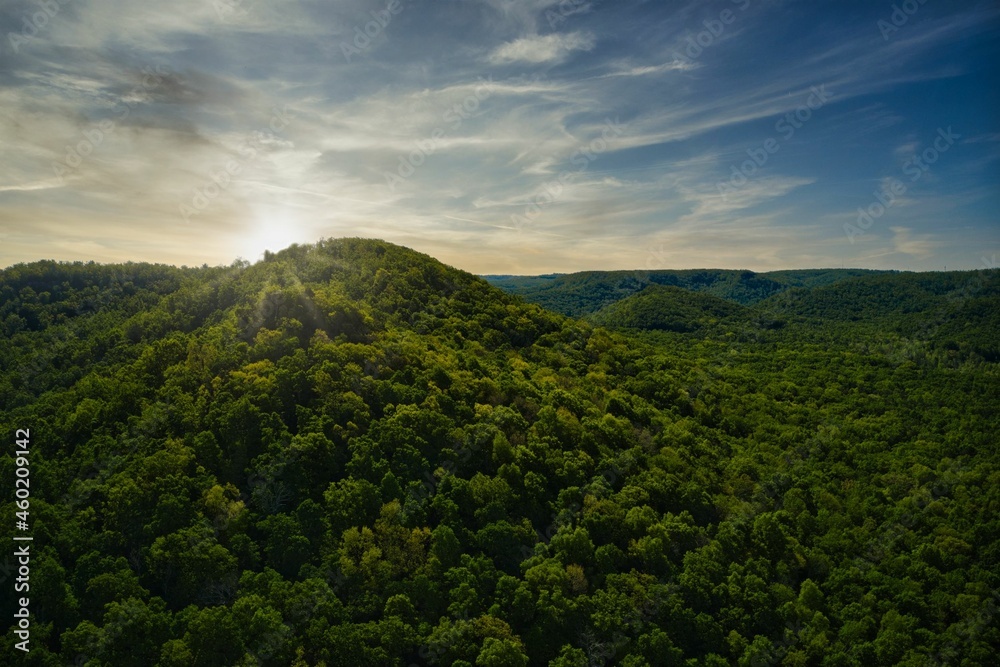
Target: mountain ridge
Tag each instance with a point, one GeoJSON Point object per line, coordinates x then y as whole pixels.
{"type": "Point", "coordinates": [585, 292]}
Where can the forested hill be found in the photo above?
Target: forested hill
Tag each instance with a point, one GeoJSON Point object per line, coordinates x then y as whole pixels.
{"type": "Point", "coordinates": [351, 454]}
{"type": "Point", "coordinates": [659, 307]}
{"type": "Point", "coordinates": [954, 314]}
{"type": "Point", "coordinates": [578, 294]}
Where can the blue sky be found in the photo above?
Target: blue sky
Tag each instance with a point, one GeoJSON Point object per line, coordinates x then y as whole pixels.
{"type": "Point", "coordinates": [505, 136]}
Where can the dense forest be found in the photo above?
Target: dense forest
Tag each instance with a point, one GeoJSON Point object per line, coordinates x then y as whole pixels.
{"type": "Point", "coordinates": [954, 313]}
{"type": "Point", "coordinates": [659, 307]}
{"type": "Point", "coordinates": [351, 454]}
{"type": "Point", "coordinates": [578, 294]}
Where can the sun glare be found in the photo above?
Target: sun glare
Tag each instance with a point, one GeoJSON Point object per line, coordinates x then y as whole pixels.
{"type": "Point", "coordinates": [274, 230]}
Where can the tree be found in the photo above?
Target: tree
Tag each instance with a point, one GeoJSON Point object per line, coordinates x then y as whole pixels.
{"type": "Point", "coordinates": [501, 653]}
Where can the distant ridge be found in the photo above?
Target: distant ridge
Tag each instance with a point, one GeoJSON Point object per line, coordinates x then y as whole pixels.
{"type": "Point", "coordinates": [666, 308]}
{"type": "Point", "coordinates": [578, 294]}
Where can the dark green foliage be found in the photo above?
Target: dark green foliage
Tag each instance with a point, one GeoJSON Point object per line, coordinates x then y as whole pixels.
{"type": "Point", "coordinates": [350, 454]}
{"type": "Point", "coordinates": [579, 294]}
{"type": "Point", "coordinates": [662, 308]}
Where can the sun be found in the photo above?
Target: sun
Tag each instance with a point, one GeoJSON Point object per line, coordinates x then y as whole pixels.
{"type": "Point", "coordinates": [273, 229]}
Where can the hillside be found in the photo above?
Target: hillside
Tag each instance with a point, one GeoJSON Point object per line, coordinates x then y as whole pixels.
{"type": "Point", "coordinates": [579, 294]}
{"type": "Point", "coordinates": [351, 454]}
{"type": "Point", "coordinates": [951, 312]}
{"type": "Point", "coordinates": [942, 313]}
{"type": "Point", "coordinates": [660, 307]}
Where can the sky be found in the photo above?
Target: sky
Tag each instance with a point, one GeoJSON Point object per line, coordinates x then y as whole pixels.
{"type": "Point", "coordinates": [504, 136]}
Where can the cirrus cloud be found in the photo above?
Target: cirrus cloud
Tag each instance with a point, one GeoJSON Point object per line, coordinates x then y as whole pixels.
{"type": "Point", "coordinates": [538, 49]}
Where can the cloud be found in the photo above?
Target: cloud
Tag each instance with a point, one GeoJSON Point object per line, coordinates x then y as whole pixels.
{"type": "Point", "coordinates": [916, 245]}
{"type": "Point", "coordinates": [27, 187]}
{"type": "Point", "coordinates": [708, 205]}
{"type": "Point", "coordinates": [686, 122]}
{"type": "Point", "coordinates": [528, 14]}
{"type": "Point", "coordinates": [629, 70]}
{"type": "Point", "coordinates": [906, 150]}
{"type": "Point", "coordinates": [538, 49]}
{"type": "Point", "coordinates": [992, 138]}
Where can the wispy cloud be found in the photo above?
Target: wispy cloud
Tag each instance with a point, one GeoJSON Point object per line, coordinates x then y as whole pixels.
{"type": "Point", "coordinates": [917, 245]}
{"type": "Point", "coordinates": [537, 49]}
